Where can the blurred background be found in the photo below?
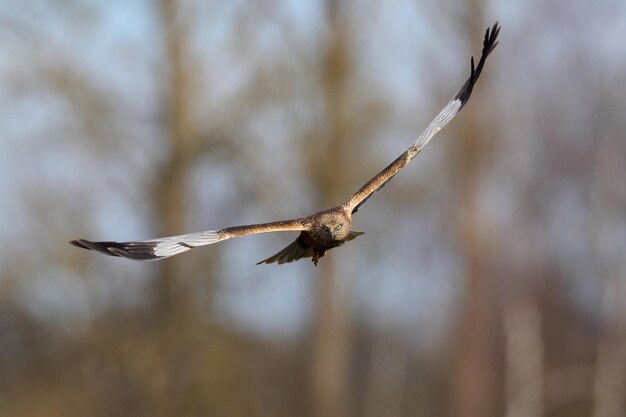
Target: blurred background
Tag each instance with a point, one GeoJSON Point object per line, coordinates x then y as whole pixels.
{"type": "Point", "coordinates": [491, 280]}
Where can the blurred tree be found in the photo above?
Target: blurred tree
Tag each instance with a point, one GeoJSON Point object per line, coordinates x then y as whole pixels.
{"type": "Point", "coordinates": [608, 206]}
{"type": "Point", "coordinates": [476, 380]}
{"type": "Point", "coordinates": [95, 95]}
{"type": "Point", "coordinates": [325, 163]}
{"type": "Point", "coordinates": [171, 201]}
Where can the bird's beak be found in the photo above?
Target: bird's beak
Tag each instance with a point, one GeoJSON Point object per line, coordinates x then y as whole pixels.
{"type": "Point", "coordinates": [332, 234]}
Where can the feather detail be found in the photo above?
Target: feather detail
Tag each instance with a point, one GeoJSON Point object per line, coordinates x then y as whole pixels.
{"type": "Point", "coordinates": [296, 250]}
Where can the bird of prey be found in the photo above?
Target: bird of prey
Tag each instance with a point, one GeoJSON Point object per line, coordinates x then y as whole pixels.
{"type": "Point", "coordinates": [321, 231]}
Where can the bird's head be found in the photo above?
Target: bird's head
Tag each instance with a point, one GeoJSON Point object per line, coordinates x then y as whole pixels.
{"type": "Point", "coordinates": [333, 230]}
{"type": "Point", "coordinates": [334, 227]}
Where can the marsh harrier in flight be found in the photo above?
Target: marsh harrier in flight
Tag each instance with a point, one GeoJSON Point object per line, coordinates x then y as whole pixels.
{"type": "Point", "coordinates": [319, 232]}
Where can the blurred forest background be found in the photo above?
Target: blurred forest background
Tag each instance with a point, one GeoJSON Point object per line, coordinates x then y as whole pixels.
{"type": "Point", "coordinates": [491, 280]}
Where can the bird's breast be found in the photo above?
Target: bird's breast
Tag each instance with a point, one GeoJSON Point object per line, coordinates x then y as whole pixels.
{"type": "Point", "coordinates": [320, 241]}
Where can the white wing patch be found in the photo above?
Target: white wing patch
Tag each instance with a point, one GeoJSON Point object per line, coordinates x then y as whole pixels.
{"type": "Point", "coordinates": [174, 245]}
{"type": "Point", "coordinates": [438, 123]}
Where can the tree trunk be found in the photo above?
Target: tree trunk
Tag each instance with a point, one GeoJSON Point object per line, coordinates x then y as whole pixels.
{"type": "Point", "coordinates": [169, 187]}
{"type": "Point", "coordinates": [476, 380]}
{"type": "Point", "coordinates": [332, 324]}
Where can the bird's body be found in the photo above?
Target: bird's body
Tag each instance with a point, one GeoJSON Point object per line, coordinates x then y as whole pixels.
{"type": "Point", "coordinates": [319, 232]}
{"type": "Point", "coordinates": [325, 230]}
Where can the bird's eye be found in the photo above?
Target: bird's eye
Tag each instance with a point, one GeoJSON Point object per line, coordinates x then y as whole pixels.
{"type": "Point", "coordinates": [326, 228]}
{"type": "Point", "coordinates": [339, 226]}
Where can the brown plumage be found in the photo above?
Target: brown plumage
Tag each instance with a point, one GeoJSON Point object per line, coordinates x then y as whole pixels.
{"type": "Point", "coordinates": [319, 232]}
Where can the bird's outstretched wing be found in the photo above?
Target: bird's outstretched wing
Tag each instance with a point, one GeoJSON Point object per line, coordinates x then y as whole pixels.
{"type": "Point", "coordinates": [442, 119]}
{"type": "Point", "coordinates": [153, 249]}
